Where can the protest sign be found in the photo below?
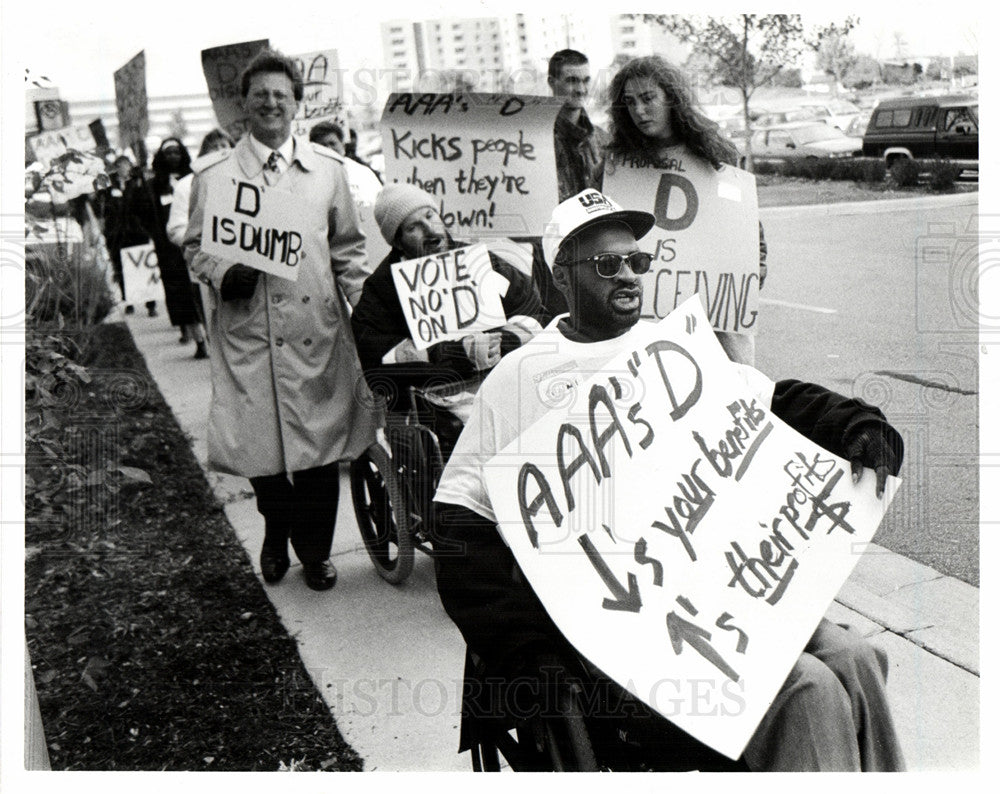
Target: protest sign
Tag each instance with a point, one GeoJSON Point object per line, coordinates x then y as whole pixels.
{"type": "Point", "coordinates": [450, 295]}
{"type": "Point", "coordinates": [488, 159]}
{"type": "Point", "coordinates": [141, 274]}
{"type": "Point", "coordinates": [682, 537]}
{"type": "Point", "coordinates": [321, 96]}
{"type": "Point", "coordinates": [705, 240]}
{"type": "Point", "coordinates": [258, 226]}
{"type": "Point", "coordinates": [222, 67]}
{"type": "Point", "coordinates": [52, 143]}
{"type": "Point", "coordinates": [131, 101]}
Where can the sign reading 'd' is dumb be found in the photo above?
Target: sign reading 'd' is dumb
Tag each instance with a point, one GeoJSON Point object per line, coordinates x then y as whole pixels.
{"type": "Point", "coordinates": [488, 159]}
{"type": "Point", "coordinates": [680, 535]}
{"type": "Point", "coordinates": [705, 240]}
{"type": "Point", "coordinates": [449, 295]}
{"type": "Point", "coordinates": [258, 226]}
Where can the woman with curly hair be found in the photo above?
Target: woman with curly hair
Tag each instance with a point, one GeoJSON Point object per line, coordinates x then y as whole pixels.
{"type": "Point", "coordinates": [654, 120]}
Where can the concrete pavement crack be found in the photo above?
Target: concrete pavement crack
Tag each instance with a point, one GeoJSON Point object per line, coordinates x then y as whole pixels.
{"type": "Point", "coordinates": [931, 384]}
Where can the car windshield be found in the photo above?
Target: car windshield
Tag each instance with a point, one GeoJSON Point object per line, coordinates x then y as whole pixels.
{"type": "Point", "coordinates": [814, 133]}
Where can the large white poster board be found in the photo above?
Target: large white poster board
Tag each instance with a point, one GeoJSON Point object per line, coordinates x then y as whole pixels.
{"type": "Point", "coordinates": [684, 539]}
{"type": "Point", "coordinates": [258, 226]}
{"type": "Point", "coordinates": [489, 159]}
{"type": "Point", "coordinates": [706, 237]}
{"type": "Point", "coordinates": [141, 272]}
{"type": "Point", "coordinates": [222, 67]}
{"type": "Point", "coordinates": [450, 295]}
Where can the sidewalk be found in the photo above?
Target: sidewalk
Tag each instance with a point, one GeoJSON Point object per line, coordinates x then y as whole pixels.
{"type": "Point", "coordinates": [376, 652]}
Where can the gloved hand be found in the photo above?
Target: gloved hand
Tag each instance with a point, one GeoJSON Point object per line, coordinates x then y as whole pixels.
{"type": "Point", "coordinates": [482, 348]}
{"type": "Point", "coordinates": [239, 283]}
{"type": "Point", "coordinates": [868, 448]}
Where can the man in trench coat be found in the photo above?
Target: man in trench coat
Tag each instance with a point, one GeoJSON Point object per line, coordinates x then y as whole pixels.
{"type": "Point", "coordinates": [288, 397]}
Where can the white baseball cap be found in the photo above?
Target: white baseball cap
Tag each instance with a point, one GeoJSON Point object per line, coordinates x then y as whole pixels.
{"type": "Point", "coordinates": [587, 208]}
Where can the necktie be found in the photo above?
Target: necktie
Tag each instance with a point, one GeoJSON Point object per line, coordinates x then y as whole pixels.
{"type": "Point", "coordinates": [271, 170]}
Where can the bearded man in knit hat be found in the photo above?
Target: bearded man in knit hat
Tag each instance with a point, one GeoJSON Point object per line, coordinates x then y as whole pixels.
{"type": "Point", "coordinates": [410, 222]}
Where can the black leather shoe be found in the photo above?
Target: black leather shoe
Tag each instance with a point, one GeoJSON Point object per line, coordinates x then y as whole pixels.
{"type": "Point", "coordinates": [272, 565]}
{"type": "Point", "coordinates": [319, 575]}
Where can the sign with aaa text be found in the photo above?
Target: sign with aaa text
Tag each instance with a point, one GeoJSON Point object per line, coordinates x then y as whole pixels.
{"type": "Point", "coordinates": [488, 159]}
{"type": "Point", "coordinates": [222, 67]}
{"type": "Point", "coordinates": [682, 537]}
{"type": "Point", "coordinates": [450, 295]}
{"type": "Point", "coordinates": [321, 92]}
{"type": "Point", "coordinates": [706, 238]}
{"type": "Point", "coordinates": [52, 143]}
{"type": "Point", "coordinates": [141, 273]}
{"type": "Point", "coordinates": [258, 226]}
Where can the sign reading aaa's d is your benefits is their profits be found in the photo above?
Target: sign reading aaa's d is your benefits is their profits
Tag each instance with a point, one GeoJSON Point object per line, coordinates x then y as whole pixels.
{"type": "Point", "coordinates": [682, 537]}
{"type": "Point", "coordinates": [706, 237]}
{"type": "Point", "coordinates": [489, 159]}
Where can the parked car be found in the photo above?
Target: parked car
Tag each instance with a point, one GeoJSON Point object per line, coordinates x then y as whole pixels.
{"type": "Point", "coordinates": [801, 141]}
{"type": "Point", "coordinates": [772, 118]}
{"type": "Point", "coordinates": [925, 127]}
{"type": "Point", "coordinates": [836, 112]}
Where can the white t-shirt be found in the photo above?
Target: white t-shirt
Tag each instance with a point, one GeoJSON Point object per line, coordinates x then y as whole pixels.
{"type": "Point", "coordinates": [541, 375]}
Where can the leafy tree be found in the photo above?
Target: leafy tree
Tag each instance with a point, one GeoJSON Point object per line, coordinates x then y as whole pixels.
{"type": "Point", "coordinates": [178, 126]}
{"type": "Point", "coordinates": [835, 53]}
{"type": "Point", "coordinates": [746, 51]}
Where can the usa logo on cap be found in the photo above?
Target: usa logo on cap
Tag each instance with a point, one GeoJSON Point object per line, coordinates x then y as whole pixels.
{"type": "Point", "coordinates": [592, 201]}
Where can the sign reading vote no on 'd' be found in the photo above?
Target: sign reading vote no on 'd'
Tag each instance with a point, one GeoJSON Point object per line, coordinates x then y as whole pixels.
{"type": "Point", "coordinates": [450, 295]}
{"type": "Point", "coordinates": [257, 226]}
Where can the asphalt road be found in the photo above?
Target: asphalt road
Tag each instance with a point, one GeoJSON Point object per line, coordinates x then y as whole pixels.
{"type": "Point", "coordinates": [882, 306]}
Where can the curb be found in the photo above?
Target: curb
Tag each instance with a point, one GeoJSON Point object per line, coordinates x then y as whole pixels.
{"type": "Point", "coordinates": [873, 207]}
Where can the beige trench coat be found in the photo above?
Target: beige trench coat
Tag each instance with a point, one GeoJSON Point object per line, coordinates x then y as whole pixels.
{"type": "Point", "coordinates": [287, 390]}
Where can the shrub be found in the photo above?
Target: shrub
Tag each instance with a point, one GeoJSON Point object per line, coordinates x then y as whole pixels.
{"type": "Point", "coordinates": [64, 284]}
{"type": "Point", "coordinates": [904, 172]}
{"type": "Point", "coordinates": [943, 174]}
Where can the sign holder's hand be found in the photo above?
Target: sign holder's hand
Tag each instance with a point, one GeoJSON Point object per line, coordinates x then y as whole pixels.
{"type": "Point", "coordinates": [239, 283]}
{"type": "Point", "coordinates": [869, 448]}
{"type": "Point", "coordinates": [482, 348]}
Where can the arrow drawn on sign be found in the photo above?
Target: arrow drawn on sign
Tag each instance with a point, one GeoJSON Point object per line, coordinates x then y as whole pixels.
{"type": "Point", "coordinates": [624, 600]}
{"type": "Point", "coordinates": [681, 631]}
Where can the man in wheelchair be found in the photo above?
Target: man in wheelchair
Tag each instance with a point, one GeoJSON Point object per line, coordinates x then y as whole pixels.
{"type": "Point", "coordinates": [409, 221]}
{"type": "Point", "coordinates": [831, 713]}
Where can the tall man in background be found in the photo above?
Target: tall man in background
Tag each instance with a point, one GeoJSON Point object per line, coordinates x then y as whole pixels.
{"type": "Point", "coordinates": [289, 400]}
{"type": "Point", "coordinates": [579, 144]}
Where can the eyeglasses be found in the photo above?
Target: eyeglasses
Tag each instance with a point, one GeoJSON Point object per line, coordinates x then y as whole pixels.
{"type": "Point", "coordinates": [610, 265]}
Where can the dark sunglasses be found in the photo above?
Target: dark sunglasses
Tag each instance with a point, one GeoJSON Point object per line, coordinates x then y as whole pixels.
{"type": "Point", "coordinates": [610, 265]}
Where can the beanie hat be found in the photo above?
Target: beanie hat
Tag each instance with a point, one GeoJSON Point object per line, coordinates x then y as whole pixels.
{"type": "Point", "coordinates": [395, 201]}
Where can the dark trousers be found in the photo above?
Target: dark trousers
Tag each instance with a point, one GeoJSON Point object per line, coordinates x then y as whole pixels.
{"type": "Point", "coordinates": [303, 511]}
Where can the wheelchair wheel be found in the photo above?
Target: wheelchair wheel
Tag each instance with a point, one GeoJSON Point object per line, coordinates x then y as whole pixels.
{"type": "Point", "coordinates": [381, 514]}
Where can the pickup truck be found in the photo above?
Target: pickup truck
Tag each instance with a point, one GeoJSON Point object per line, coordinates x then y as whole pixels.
{"type": "Point", "coordinates": [919, 128]}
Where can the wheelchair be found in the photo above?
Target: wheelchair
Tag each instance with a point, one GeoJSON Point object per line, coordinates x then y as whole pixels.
{"type": "Point", "coordinates": [584, 723]}
{"type": "Point", "coordinates": [393, 482]}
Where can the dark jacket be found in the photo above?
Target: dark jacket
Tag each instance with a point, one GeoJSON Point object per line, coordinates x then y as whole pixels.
{"type": "Point", "coordinates": [379, 324]}
{"type": "Point", "coordinates": [579, 154]}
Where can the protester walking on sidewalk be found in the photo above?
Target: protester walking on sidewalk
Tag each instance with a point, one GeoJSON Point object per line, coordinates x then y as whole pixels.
{"type": "Point", "coordinates": [177, 220]}
{"type": "Point", "coordinates": [289, 401]}
{"type": "Point", "coordinates": [170, 163]}
{"type": "Point", "coordinates": [654, 118]}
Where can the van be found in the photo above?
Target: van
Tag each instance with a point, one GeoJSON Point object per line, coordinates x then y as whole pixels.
{"type": "Point", "coordinates": [919, 128]}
